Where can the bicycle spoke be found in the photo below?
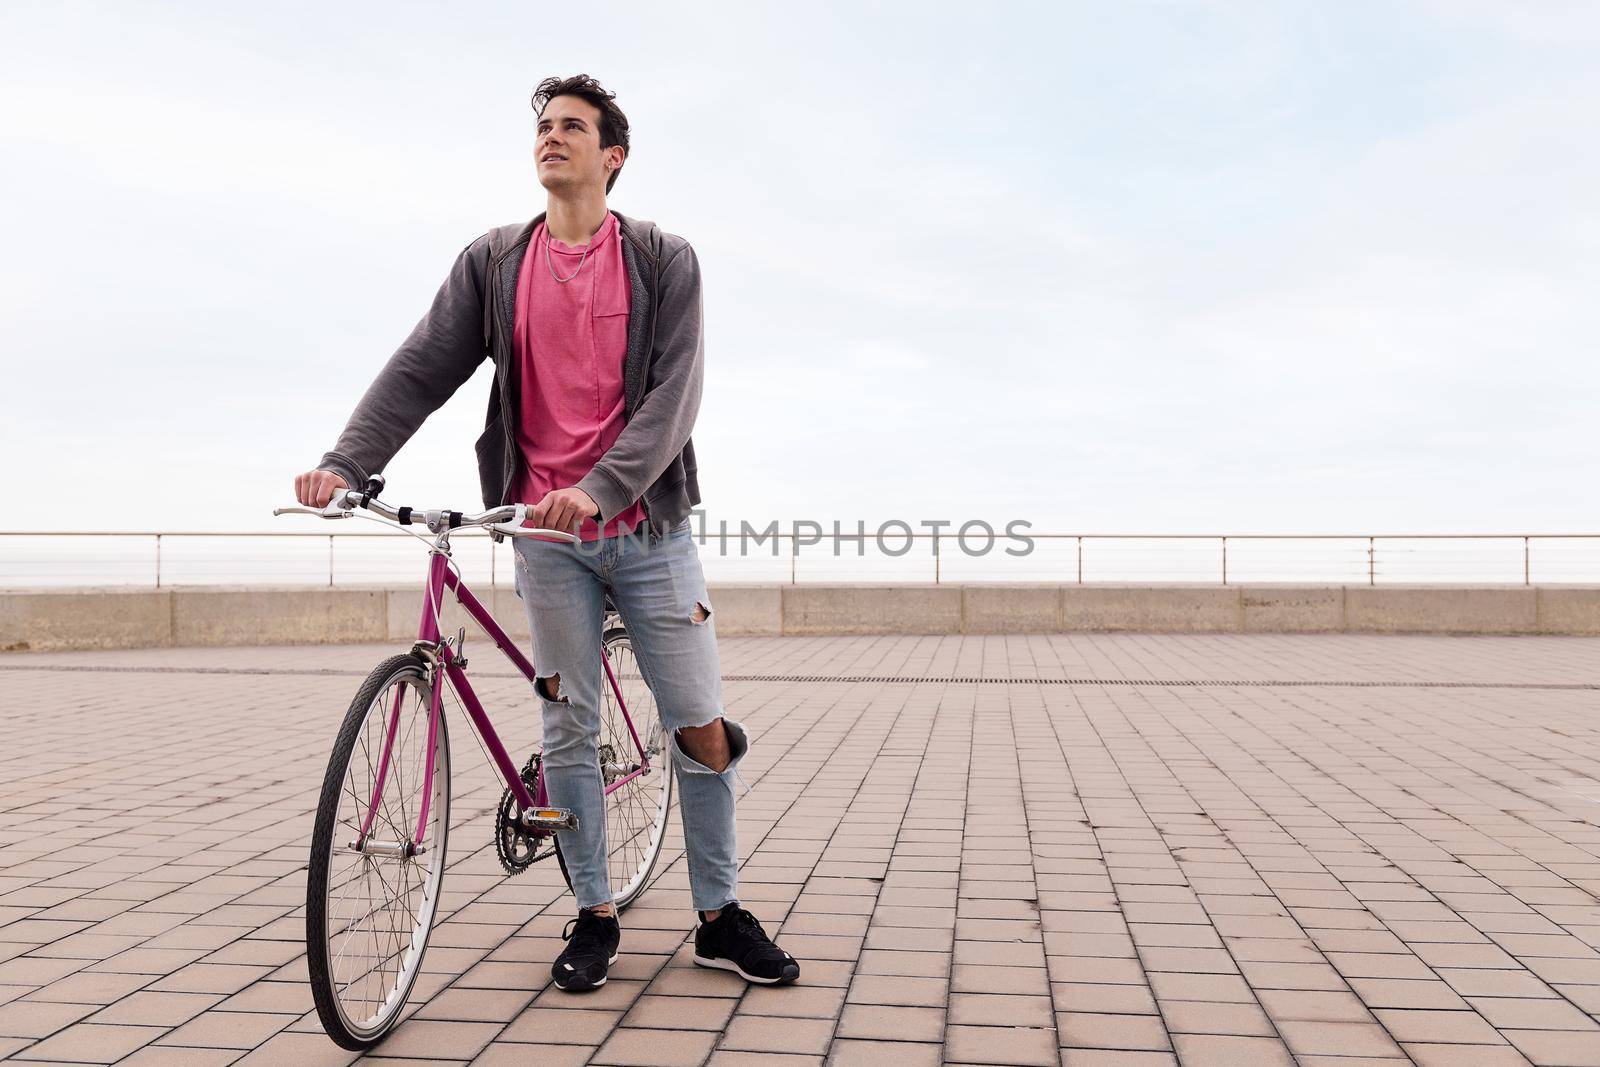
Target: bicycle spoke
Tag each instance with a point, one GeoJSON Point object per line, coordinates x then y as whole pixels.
{"type": "Point", "coordinates": [377, 903]}
{"type": "Point", "coordinates": [634, 828]}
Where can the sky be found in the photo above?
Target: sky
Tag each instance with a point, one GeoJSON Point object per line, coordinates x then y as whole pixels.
{"type": "Point", "coordinates": [1227, 267]}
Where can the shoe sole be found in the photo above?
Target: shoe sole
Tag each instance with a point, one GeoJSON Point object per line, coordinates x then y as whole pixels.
{"type": "Point", "coordinates": [586, 988]}
{"type": "Point", "coordinates": [729, 965]}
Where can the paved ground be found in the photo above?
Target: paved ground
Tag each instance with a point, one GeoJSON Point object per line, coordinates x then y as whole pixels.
{"type": "Point", "coordinates": [1108, 850]}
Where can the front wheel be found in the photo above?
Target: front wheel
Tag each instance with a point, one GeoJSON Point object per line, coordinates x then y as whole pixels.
{"type": "Point", "coordinates": [371, 896]}
{"type": "Point", "coordinates": [636, 809]}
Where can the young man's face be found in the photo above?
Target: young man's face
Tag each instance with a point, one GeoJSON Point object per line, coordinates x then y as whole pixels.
{"type": "Point", "coordinates": [567, 148]}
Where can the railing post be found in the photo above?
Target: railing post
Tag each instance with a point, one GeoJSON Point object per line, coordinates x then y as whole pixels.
{"type": "Point", "coordinates": [492, 547]}
{"type": "Point", "coordinates": [936, 557]}
{"type": "Point", "coordinates": [1372, 567]}
{"type": "Point", "coordinates": [1080, 559]}
{"type": "Point", "coordinates": [1525, 562]}
{"type": "Point", "coordinates": [794, 555]}
{"type": "Point", "coordinates": [158, 561]}
{"type": "Point", "coordinates": [1224, 559]}
{"type": "Point", "coordinates": [330, 561]}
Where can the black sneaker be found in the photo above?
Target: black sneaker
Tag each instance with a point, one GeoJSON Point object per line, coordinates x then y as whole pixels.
{"type": "Point", "coordinates": [734, 941]}
{"type": "Point", "coordinates": [592, 942]}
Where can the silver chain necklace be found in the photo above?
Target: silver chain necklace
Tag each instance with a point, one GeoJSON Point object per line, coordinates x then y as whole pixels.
{"type": "Point", "coordinates": [552, 266]}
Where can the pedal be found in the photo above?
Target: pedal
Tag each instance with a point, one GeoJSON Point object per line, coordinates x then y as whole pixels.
{"type": "Point", "coordinates": [549, 819]}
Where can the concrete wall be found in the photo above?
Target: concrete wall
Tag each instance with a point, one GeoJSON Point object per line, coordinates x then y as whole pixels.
{"type": "Point", "coordinates": [239, 615]}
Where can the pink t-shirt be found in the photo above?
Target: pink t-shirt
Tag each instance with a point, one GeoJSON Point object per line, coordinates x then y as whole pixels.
{"type": "Point", "coordinates": [571, 339]}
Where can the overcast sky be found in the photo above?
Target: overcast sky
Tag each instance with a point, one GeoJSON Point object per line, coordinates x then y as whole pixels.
{"type": "Point", "coordinates": [1115, 267]}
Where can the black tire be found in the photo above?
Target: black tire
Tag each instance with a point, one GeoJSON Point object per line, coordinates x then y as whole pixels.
{"type": "Point", "coordinates": [410, 669]}
{"type": "Point", "coordinates": [614, 638]}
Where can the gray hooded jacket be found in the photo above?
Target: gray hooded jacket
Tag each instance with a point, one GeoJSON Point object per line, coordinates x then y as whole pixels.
{"type": "Point", "coordinates": [471, 319]}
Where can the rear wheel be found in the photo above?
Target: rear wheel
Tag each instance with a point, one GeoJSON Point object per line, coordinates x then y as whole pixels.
{"type": "Point", "coordinates": [371, 901]}
{"type": "Point", "coordinates": [636, 810]}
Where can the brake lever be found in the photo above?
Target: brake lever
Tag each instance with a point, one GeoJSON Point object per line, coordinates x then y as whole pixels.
{"type": "Point", "coordinates": [329, 512]}
{"type": "Point", "coordinates": [513, 530]}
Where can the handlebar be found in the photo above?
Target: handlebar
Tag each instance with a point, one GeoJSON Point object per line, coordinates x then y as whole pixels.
{"type": "Point", "coordinates": [506, 519]}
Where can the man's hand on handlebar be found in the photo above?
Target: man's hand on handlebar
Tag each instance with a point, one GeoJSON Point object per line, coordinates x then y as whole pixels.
{"type": "Point", "coordinates": [315, 488]}
{"type": "Point", "coordinates": [564, 509]}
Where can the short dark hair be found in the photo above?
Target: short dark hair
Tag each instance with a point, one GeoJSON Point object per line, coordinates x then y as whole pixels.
{"type": "Point", "coordinates": [613, 123]}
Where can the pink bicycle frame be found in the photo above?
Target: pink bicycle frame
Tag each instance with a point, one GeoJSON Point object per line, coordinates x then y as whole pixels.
{"type": "Point", "coordinates": [440, 577]}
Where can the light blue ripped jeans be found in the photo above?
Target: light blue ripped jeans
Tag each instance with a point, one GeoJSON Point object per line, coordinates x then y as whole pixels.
{"type": "Point", "coordinates": [659, 588]}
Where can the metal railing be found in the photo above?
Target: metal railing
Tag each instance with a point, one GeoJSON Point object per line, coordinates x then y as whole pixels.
{"type": "Point", "coordinates": [150, 558]}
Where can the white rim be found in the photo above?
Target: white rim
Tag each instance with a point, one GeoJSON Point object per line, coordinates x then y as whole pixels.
{"type": "Point", "coordinates": [380, 909]}
{"type": "Point", "coordinates": [636, 814]}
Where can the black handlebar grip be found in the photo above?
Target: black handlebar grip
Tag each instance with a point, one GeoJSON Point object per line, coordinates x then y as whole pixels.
{"type": "Point", "coordinates": [404, 516]}
{"type": "Point", "coordinates": [455, 518]}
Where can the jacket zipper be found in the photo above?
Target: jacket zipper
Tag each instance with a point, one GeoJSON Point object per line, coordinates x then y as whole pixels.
{"type": "Point", "coordinates": [650, 345]}
{"type": "Point", "coordinates": [497, 342]}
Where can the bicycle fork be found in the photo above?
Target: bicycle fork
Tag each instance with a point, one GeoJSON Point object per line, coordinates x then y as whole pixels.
{"type": "Point", "coordinates": [536, 815]}
{"type": "Point", "coordinates": [444, 664]}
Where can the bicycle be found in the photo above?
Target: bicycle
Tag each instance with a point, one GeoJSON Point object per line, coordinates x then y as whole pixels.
{"type": "Point", "coordinates": [378, 846]}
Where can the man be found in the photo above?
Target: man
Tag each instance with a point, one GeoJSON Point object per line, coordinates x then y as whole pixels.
{"type": "Point", "coordinates": [594, 323]}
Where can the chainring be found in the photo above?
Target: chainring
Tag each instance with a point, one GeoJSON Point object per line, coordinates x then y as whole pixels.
{"type": "Point", "coordinates": [517, 848]}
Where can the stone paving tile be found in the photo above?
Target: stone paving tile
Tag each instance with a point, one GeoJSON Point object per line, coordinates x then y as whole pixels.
{"type": "Point", "coordinates": [886, 1022]}
{"type": "Point", "coordinates": [241, 1030]}
{"type": "Point", "coordinates": [848, 1053]}
{"type": "Point", "coordinates": [565, 1025]}
{"type": "Point", "coordinates": [759, 1033]}
{"type": "Point", "coordinates": [681, 1013]}
{"type": "Point", "coordinates": [27, 1018]}
{"type": "Point", "coordinates": [508, 1054]}
{"type": "Point", "coordinates": [90, 1043]}
{"type": "Point", "coordinates": [1009, 872]}
{"type": "Point", "coordinates": [1426, 1055]}
{"type": "Point", "coordinates": [158, 1009]}
{"type": "Point", "coordinates": [655, 1048]}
